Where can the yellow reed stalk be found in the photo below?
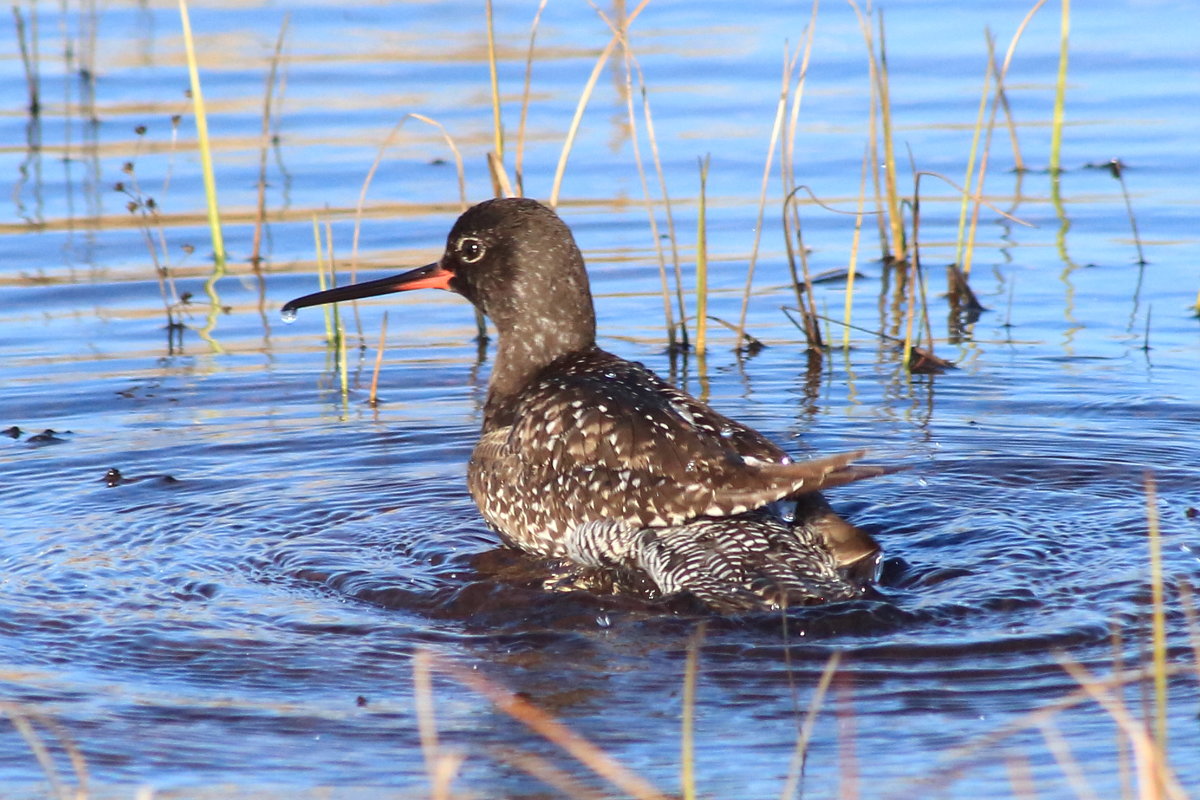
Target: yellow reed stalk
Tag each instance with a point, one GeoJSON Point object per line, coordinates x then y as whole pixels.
{"type": "Point", "coordinates": [971, 156]}
{"type": "Point", "coordinates": [497, 126]}
{"type": "Point", "coordinates": [900, 250]}
{"type": "Point", "coordinates": [210, 183]}
{"type": "Point", "coordinates": [702, 262]}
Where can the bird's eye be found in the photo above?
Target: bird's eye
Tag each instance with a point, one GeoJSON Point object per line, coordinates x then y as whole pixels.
{"type": "Point", "coordinates": [470, 250]}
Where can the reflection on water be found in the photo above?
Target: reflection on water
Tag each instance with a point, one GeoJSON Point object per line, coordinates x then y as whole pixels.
{"type": "Point", "coordinates": [239, 603]}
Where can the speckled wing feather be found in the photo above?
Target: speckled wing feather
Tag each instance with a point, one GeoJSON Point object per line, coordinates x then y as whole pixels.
{"type": "Point", "coordinates": [599, 438]}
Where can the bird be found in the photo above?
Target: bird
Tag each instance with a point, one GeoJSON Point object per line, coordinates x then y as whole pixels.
{"type": "Point", "coordinates": [595, 464]}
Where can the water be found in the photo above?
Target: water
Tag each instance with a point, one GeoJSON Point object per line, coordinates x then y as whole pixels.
{"type": "Point", "coordinates": [239, 607]}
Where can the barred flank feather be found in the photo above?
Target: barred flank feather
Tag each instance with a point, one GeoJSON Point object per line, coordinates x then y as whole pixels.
{"type": "Point", "coordinates": [730, 564]}
{"type": "Point", "coordinates": [744, 564]}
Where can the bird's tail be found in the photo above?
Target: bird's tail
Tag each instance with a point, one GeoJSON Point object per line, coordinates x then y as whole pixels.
{"type": "Point", "coordinates": [743, 564]}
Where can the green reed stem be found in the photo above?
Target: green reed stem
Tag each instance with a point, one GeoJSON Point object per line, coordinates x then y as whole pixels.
{"type": "Point", "coordinates": [321, 284]}
{"type": "Point", "coordinates": [1060, 91]}
{"type": "Point", "coordinates": [210, 183]}
{"type": "Point", "coordinates": [339, 326]}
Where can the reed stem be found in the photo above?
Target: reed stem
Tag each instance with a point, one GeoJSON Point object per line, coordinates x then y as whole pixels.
{"type": "Point", "coordinates": [702, 262]}
{"type": "Point", "coordinates": [1060, 91]}
{"type": "Point", "coordinates": [210, 182]}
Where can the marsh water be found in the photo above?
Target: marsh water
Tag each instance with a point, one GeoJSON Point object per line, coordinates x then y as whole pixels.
{"type": "Point", "coordinates": [240, 603]}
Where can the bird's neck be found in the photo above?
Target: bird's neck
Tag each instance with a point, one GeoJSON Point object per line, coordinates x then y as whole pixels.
{"type": "Point", "coordinates": [521, 355]}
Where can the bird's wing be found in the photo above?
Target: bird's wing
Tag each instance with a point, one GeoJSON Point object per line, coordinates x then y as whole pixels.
{"type": "Point", "coordinates": [616, 441]}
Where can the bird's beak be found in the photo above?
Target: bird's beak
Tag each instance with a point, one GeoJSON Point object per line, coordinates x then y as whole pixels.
{"type": "Point", "coordinates": [430, 276]}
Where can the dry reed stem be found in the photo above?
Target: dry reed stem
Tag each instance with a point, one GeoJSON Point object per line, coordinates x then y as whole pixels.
{"type": "Point", "coordinates": [1118, 171]}
{"type": "Point", "coordinates": [846, 737]}
{"type": "Point", "coordinates": [553, 731]}
{"type": "Point", "coordinates": [501, 186]}
{"type": "Point", "coordinates": [387, 142]}
{"type": "Point", "coordinates": [1186, 599]}
{"type": "Point", "coordinates": [630, 65]}
{"type": "Point", "coordinates": [480, 322]}
{"type": "Point", "coordinates": [1011, 125]}
{"type": "Point", "coordinates": [519, 162]}
{"type": "Point", "coordinates": [1155, 777]}
{"type": "Point", "coordinates": [584, 97]}
{"type": "Point", "coordinates": [497, 123]}
{"type": "Point", "coordinates": [851, 269]}
{"type": "Point", "coordinates": [787, 162]}
{"type": "Point", "coordinates": [1124, 773]}
{"type": "Point", "coordinates": [29, 62]}
{"type": "Point", "coordinates": [804, 289]}
{"type": "Point", "coordinates": [804, 735]}
{"type": "Point", "coordinates": [687, 737]}
{"type": "Point", "coordinates": [973, 153]}
{"type": "Point", "coordinates": [1159, 617]}
{"type": "Point", "coordinates": [1020, 775]}
{"type": "Point", "coordinates": [41, 753]}
{"type": "Point", "coordinates": [547, 773]}
{"type": "Point", "coordinates": [789, 66]}
{"type": "Point", "coordinates": [374, 397]}
{"type": "Point", "coordinates": [265, 145]}
{"type": "Point", "coordinates": [1058, 747]}
{"type": "Point", "coordinates": [788, 181]}
{"type": "Point", "coordinates": [873, 120]}
{"type": "Point", "coordinates": [916, 259]}
{"type": "Point", "coordinates": [910, 300]}
{"type": "Point", "coordinates": [1000, 74]}
{"type": "Point", "coordinates": [662, 185]}
{"type": "Point", "coordinates": [702, 262]}
{"type": "Point", "coordinates": [442, 767]}
{"type": "Point", "coordinates": [900, 248]}
{"type": "Point", "coordinates": [956, 759]}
